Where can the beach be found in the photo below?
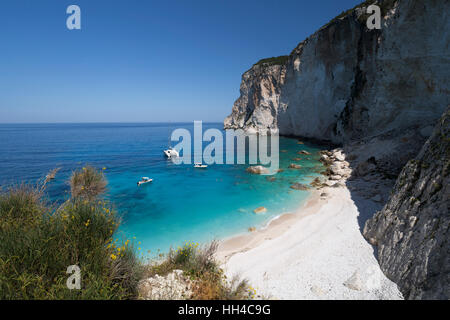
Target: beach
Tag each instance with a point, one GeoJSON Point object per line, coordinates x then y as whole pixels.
{"type": "Point", "coordinates": [317, 252]}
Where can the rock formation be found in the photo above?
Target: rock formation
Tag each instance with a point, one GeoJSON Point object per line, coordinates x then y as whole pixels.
{"type": "Point", "coordinates": [412, 230]}
{"type": "Point", "coordinates": [347, 83]}
{"type": "Point", "coordinates": [378, 94]}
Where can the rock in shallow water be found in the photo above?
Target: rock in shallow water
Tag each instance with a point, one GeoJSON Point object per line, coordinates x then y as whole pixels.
{"type": "Point", "coordinates": [260, 210]}
{"type": "Point", "coordinates": [299, 186]}
{"type": "Point", "coordinates": [258, 170]}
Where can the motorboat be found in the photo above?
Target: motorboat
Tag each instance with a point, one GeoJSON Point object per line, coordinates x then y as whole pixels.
{"type": "Point", "coordinates": [171, 153]}
{"type": "Point", "coordinates": [201, 166]}
{"type": "Point", "coordinates": [144, 180]}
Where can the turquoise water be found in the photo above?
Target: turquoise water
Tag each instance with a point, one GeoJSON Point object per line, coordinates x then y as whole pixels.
{"type": "Point", "coordinates": [181, 204]}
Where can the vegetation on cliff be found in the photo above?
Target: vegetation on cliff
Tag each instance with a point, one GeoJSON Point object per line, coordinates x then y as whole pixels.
{"type": "Point", "coordinates": [208, 281]}
{"type": "Point", "coordinates": [272, 61]}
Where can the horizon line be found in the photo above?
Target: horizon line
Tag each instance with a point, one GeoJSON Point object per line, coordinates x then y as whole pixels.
{"type": "Point", "coordinates": [110, 122]}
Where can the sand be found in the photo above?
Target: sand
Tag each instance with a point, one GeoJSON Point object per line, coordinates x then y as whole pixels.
{"type": "Point", "coordinates": [317, 252]}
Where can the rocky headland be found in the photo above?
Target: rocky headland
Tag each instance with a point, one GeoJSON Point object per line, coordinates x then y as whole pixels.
{"type": "Point", "coordinates": [382, 96]}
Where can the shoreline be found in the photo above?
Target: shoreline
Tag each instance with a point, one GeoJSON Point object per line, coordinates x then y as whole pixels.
{"type": "Point", "coordinates": [316, 252]}
{"type": "Point", "coordinates": [274, 228]}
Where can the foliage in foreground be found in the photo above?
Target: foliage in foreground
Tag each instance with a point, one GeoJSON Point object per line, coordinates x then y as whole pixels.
{"type": "Point", "coordinates": [87, 183]}
{"type": "Point", "coordinates": [199, 264]}
{"type": "Point", "coordinates": [38, 243]}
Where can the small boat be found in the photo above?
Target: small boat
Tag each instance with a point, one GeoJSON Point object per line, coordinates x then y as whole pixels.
{"type": "Point", "coordinates": [201, 166]}
{"type": "Point", "coordinates": [144, 180]}
{"type": "Point", "coordinates": [171, 153]}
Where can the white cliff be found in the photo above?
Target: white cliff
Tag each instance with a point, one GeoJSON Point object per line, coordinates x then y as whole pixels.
{"type": "Point", "coordinates": [379, 94]}
{"type": "Point", "coordinates": [347, 82]}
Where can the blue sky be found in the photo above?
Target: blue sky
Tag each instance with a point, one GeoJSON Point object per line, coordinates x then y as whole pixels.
{"type": "Point", "coordinates": [142, 61]}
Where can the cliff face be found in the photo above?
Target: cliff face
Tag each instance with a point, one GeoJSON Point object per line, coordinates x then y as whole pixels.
{"type": "Point", "coordinates": [256, 108]}
{"type": "Point", "coordinates": [379, 93]}
{"type": "Point", "coordinates": [346, 82]}
{"type": "Point", "coordinates": [412, 230]}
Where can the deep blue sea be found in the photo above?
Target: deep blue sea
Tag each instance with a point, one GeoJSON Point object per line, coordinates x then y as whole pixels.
{"type": "Point", "coordinates": [181, 204]}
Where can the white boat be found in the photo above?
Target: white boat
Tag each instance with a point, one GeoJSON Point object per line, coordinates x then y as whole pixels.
{"type": "Point", "coordinates": [201, 166]}
{"type": "Point", "coordinates": [144, 180]}
{"type": "Point", "coordinates": [171, 153]}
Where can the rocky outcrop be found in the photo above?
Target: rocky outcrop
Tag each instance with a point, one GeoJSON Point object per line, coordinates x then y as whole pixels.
{"type": "Point", "coordinates": [412, 230]}
{"type": "Point", "coordinates": [379, 94]}
{"type": "Point", "coordinates": [255, 109]}
{"type": "Point", "coordinates": [258, 170]}
{"type": "Point", "coordinates": [346, 83]}
{"type": "Point", "coordinates": [260, 210]}
{"type": "Point", "coordinates": [174, 286]}
{"type": "Point", "coordinates": [299, 186]}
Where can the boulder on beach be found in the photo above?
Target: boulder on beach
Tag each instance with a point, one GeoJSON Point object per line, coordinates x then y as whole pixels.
{"type": "Point", "coordinates": [258, 170]}
{"type": "Point", "coordinates": [299, 186]}
{"type": "Point", "coordinates": [338, 185]}
{"type": "Point", "coordinates": [295, 166]}
{"type": "Point", "coordinates": [354, 282]}
{"type": "Point", "coordinates": [329, 183]}
{"type": "Point", "coordinates": [318, 291]}
{"type": "Point", "coordinates": [251, 229]}
{"type": "Point", "coordinates": [260, 210]}
{"type": "Point", "coordinates": [339, 156]}
{"type": "Point", "coordinates": [326, 160]}
{"type": "Point", "coordinates": [316, 183]}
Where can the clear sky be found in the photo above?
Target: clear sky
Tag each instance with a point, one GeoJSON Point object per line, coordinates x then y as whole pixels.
{"type": "Point", "coordinates": [139, 60]}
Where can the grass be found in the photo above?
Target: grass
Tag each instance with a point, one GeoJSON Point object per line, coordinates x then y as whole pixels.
{"type": "Point", "coordinates": [199, 264]}
{"type": "Point", "coordinates": [39, 241]}
{"type": "Point", "coordinates": [87, 183]}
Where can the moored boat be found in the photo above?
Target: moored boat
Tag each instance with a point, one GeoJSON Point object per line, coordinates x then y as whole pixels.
{"type": "Point", "coordinates": [144, 180]}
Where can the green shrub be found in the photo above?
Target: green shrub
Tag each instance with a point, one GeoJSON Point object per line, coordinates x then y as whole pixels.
{"type": "Point", "coordinates": [199, 264]}
{"type": "Point", "coordinates": [38, 243]}
{"type": "Point", "coordinates": [87, 183]}
{"type": "Point", "coordinates": [273, 61]}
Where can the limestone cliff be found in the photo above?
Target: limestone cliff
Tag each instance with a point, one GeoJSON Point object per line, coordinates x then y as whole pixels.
{"type": "Point", "coordinates": [347, 82]}
{"type": "Point", "coordinates": [412, 230]}
{"type": "Point", "coordinates": [379, 93]}
{"type": "Point", "coordinates": [256, 108]}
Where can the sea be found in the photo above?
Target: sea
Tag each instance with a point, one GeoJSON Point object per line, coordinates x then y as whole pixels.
{"type": "Point", "coordinates": [182, 203]}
